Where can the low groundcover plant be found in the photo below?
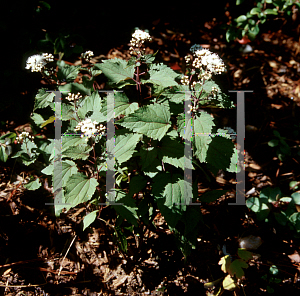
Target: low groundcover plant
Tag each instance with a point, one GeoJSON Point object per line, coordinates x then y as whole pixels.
{"type": "Point", "coordinates": [150, 135]}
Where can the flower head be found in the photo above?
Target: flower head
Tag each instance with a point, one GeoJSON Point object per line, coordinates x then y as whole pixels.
{"type": "Point", "coordinates": [73, 97]}
{"type": "Point", "coordinates": [37, 62]}
{"type": "Point", "coordinates": [208, 61]}
{"type": "Point", "coordinates": [137, 41]}
{"type": "Point", "coordinates": [87, 55]}
{"type": "Point", "coordinates": [23, 136]}
{"type": "Point", "coordinates": [89, 129]}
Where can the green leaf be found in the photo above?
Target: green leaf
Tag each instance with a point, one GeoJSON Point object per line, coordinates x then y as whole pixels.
{"type": "Point", "coordinates": [241, 19]}
{"type": "Point", "coordinates": [258, 206]}
{"type": "Point", "coordinates": [169, 191]}
{"type": "Point", "coordinates": [295, 220]}
{"type": "Point", "coordinates": [116, 70]}
{"type": "Point", "coordinates": [125, 145]}
{"type": "Point", "coordinates": [272, 194]}
{"type": "Point", "coordinates": [236, 268]}
{"type": "Point", "coordinates": [171, 151]}
{"type": "Point", "coordinates": [182, 124]}
{"type": "Point", "coordinates": [33, 185]}
{"type": "Point", "coordinates": [212, 195]}
{"type": "Point", "coordinates": [270, 11]}
{"type": "Point", "coordinates": [148, 156]}
{"type": "Point", "coordinates": [203, 125]}
{"type": "Point", "coordinates": [67, 112]}
{"type": "Point", "coordinates": [79, 189]}
{"type": "Point", "coordinates": [72, 141]}
{"type": "Point", "coordinates": [96, 70]}
{"type": "Point", "coordinates": [219, 153]}
{"type": "Point", "coordinates": [296, 198]}
{"type": "Point", "coordinates": [137, 183]}
{"type": "Point", "coordinates": [121, 106]}
{"type": "Point", "coordinates": [273, 143]}
{"type": "Point", "coordinates": [161, 74]}
{"type": "Point", "coordinates": [90, 103]}
{"type": "Point", "coordinates": [281, 218]}
{"type": "Point", "coordinates": [89, 219]}
{"type": "Point", "coordinates": [151, 120]}
{"type": "Point", "coordinates": [234, 167]}
{"type": "Point", "coordinates": [274, 270]}
{"type": "Point", "coordinates": [255, 10]}
{"type": "Point", "coordinates": [37, 118]}
{"type": "Point", "coordinates": [79, 152]}
{"type": "Point", "coordinates": [128, 210]}
{"type": "Point", "coordinates": [43, 99]}
{"type": "Point", "coordinates": [244, 254]}
{"type": "Point", "coordinates": [238, 2]}
{"type": "Point", "coordinates": [75, 88]}
{"type": "Point", "coordinates": [48, 170]}
{"type": "Point", "coordinates": [68, 73]}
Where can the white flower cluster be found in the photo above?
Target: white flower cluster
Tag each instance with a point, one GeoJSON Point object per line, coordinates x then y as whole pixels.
{"type": "Point", "coordinates": [185, 80]}
{"type": "Point", "coordinates": [37, 62]}
{"type": "Point", "coordinates": [73, 97]}
{"type": "Point", "coordinates": [24, 135]}
{"type": "Point", "coordinates": [88, 128]}
{"type": "Point", "coordinates": [137, 40]}
{"type": "Point", "coordinates": [87, 55]}
{"type": "Point", "coordinates": [208, 61]}
{"type": "Point", "coordinates": [192, 109]}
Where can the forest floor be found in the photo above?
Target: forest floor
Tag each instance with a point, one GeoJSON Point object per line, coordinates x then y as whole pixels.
{"type": "Point", "coordinates": [33, 243]}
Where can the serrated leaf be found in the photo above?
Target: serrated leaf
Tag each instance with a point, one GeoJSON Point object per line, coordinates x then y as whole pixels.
{"type": "Point", "coordinates": [151, 120]}
{"type": "Point", "coordinates": [219, 153]}
{"type": "Point", "coordinates": [90, 103]}
{"type": "Point", "coordinates": [89, 219]}
{"type": "Point", "coordinates": [37, 118]}
{"type": "Point", "coordinates": [116, 70]}
{"type": "Point", "coordinates": [48, 170]}
{"type": "Point", "coordinates": [161, 74]}
{"type": "Point", "coordinates": [128, 210]}
{"type": "Point", "coordinates": [68, 73]}
{"type": "Point", "coordinates": [75, 88]}
{"type": "Point", "coordinates": [67, 112]}
{"type": "Point", "coordinates": [203, 125]}
{"type": "Point", "coordinates": [95, 70]}
{"type": "Point", "coordinates": [43, 99]}
{"type": "Point", "coordinates": [244, 254]}
{"type": "Point", "coordinates": [172, 152]}
{"type": "Point", "coordinates": [79, 189]}
{"type": "Point", "coordinates": [33, 185]}
{"type": "Point", "coordinates": [236, 268]}
{"type": "Point", "coordinates": [125, 145]}
{"type": "Point", "coordinates": [121, 106]}
{"type": "Point", "coordinates": [234, 167]}
{"type": "Point", "coordinates": [137, 183]}
{"type": "Point", "coordinates": [78, 152]}
{"type": "Point", "coordinates": [169, 191]}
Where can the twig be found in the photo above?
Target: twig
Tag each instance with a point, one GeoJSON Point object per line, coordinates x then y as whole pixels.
{"type": "Point", "coordinates": [61, 265]}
